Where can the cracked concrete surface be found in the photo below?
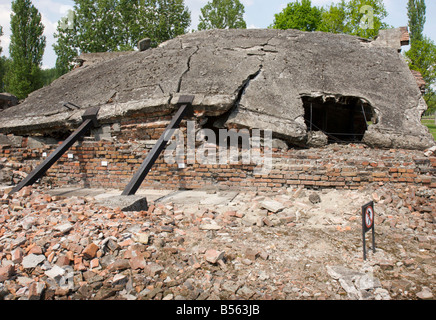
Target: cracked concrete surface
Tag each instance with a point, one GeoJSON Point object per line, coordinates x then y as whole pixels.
{"type": "Point", "coordinates": [255, 78]}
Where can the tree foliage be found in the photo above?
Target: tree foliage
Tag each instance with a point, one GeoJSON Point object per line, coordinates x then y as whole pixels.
{"type": "Point", "coordinates": [299, 15]}
{"type": "Point", "coordinates": [117, 25]}
{"type": "Point", "coordinates": [1, 34]}
{"type": "Point", "coordinates": [222, 14]}
{"type": "Point", "coordinates": [422, 58]}
{"type": "Point", "coordinates": [2, 65]}
{"type": "Point", "coordinates": [416, 13]}
{"type": "Point", "coordinates": [362, 18]}
{"type": "Point", "coordinates": [48, 76]}
{"type": "Point", "coordinates": [422, 52]}
{"type": "Point", "coordinates": [26, 49]}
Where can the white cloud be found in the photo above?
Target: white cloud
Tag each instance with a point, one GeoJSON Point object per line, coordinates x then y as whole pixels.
{"type": "Point", "coordinates": [63, 10]}
{"type": "Point", "coordinates": [247, 3]}
{"type": "Point", "coordinates": [5, 20]}
{"type": "Point", "coordinates": [195, 6]}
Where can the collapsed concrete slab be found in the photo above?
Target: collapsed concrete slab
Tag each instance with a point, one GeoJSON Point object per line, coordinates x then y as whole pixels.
{"type": "Point", "coordinates": [292, 82]}
{"type": "Point", "coordinates": [125, 203]}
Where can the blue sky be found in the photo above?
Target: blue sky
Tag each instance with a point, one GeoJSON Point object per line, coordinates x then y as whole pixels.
{"type": "Point", "coordinates": [258, 14]}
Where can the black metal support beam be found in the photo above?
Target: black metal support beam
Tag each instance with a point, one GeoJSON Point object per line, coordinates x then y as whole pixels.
{"type": "Point", "coordinates": [185, 109]}
{"type": "Point", "coordinates": [89, 121]}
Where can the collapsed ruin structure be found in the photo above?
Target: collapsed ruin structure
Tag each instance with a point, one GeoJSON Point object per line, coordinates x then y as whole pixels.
{"type": "Point", "coordinates": [309, 88]}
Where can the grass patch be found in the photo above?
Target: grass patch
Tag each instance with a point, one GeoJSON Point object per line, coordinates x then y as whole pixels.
{"type": "Point", "coordinates": [429, 123]}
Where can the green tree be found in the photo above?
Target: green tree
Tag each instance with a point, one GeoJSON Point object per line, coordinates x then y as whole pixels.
{"type": "Point", "coordinates": [422, 52]}
{"type": "Point", "coordinates": [1, 34]}
{"type": "Point", "coordinates": [334, 19]}
{"type": "Point", "coordinates": [422, 58]}
{"type": "Point", "coordinates": [26, 49]}
{"type": "Point", "coordinates": [48, 76]}
{"type": "Point", "coordinates": [363, 18]}
{"type": "Point", "coordinates": [2, 64]}
{"type": "Point", "coordinates": [65, 47]}
{"type": "Point", "coordinates": [299, 15]}
{"type": "Point", "coordinates": [117, 25]}
{"type": "Point", "coordinates": [168, 19]}
{"type": "Point", "coordinates": [416, 13]}
{"type": "Point", "coordinates": [222, 14]}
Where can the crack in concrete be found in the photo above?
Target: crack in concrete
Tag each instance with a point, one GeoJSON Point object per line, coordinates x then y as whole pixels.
{"type": "Point", "coordinates": [241, 90]}
{"type": "Point", "coordinates": [179, 86]}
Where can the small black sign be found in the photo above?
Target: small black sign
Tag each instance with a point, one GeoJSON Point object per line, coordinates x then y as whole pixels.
{"type": "Point", "coordinates": [368, 215]}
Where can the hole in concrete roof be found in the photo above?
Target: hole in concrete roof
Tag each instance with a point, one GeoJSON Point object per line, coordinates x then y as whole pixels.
{"type": "Point", "coordinates": [342, 119]}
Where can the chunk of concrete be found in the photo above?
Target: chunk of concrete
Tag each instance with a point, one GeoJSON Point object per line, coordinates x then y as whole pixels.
{"type": "Point", "coordinates": [144, 44]}
{"type": "Point", "coordinates": [125, 203]}
{"type": "Point", "coordinates": [272, 205]}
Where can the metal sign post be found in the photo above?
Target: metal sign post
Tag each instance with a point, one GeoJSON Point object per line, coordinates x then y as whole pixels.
{"type": "Point", "coordinates": [368, 214]}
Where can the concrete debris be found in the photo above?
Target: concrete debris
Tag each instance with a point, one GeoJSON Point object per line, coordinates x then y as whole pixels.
{"type": "Point", "coordinates": [425, 294]}
{"type": "Point", "coordinates": [32, 260]}
{"type": "Point", "coordinates": [144, 44]}
{"type": "Point", "coordinates": [273, 206]}
{"type": "Point", "coordinates": [358, 285]}
{"type": "Point", "coordinates": [431, 151]}
{"type": "Point", "coordinates": [314, 198]}
{"type": "Point", "coordinates": [79, 249]}
{"type": "Point", "coordinates": [125, 203]}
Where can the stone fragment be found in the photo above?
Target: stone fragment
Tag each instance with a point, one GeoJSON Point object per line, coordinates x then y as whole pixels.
{"type": "Point", "coordinates": [251, 254]}
{"type": "Point", "coordinates": [153, 269]}
{"type": "Point", "coordinates": [24, 281]}
{"type": "Point", "coordinates": [104, 293]}
{"type": "Point", "coordinates": [142, 238]}
{"type": "Point", "coordinates": [64, 228]}
{"type": "Point", "coordinates": [425, 294]}
{"type": "Point", "coordinates": [138, 262]}
{"type": "Point", "coordinates": [112, 245]}
{"type": "Point", "coordinates": [381, 294]}
{"type": "Point", "coordinates": [55, 273]}
{"type": "Point", "coordinates": [28, 222]}
{"type": "Point", "coordinates": [119, 279]}
{"type": "Point", "coordinates": [314, 198]}
{"type": "Point", "coordinates": [431, 151]}
{"type": "Point", "coordinates": [63, 260]}
{"type": "Point", "coordinates": [316, 139]}
{"type": "Point", "coordinates": [36, 290]}
{"type": "Point", "coordinates": [32, 260]}
{"type": "Point", "coordinates": [6, 272]}
{"type": "Point", "coordinates": [94, 263]}
{"type": "Point", "coordinates": [213, 256]}
{"type": "Point", "coordinates": [119, 265]}
{"type": "Point", "coordinates": [210, 226]}
{"type": "Point", "coordinates": [144, 44]}
{"type": "Point", "coordinates": [17, 255]}
{"type": "Point", "coordinates": [246, 292]}
{"type": "Point", "coordinates": [36, 250]}
{"type": "Point", "coordinates": [272, 205]}
{"type": "Point", "coordinates": [126, 203]}
{"type": "Point", "coordinates": [90, 251]}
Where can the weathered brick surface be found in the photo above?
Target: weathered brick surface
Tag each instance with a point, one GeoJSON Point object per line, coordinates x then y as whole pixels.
{"type": "Point", "coordinates": [334, 166]}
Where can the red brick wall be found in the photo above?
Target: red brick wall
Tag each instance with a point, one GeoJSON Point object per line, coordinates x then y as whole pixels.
{"type": "Point", "coordinates": [348, 166]}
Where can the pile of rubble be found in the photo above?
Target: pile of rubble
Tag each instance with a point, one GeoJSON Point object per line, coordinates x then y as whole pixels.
{"type": "Point", "coordinates": [299, 244]}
